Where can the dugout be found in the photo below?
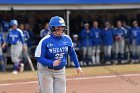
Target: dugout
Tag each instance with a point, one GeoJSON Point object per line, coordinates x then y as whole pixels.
{"type": "Point", "coordinates": [75, 12]}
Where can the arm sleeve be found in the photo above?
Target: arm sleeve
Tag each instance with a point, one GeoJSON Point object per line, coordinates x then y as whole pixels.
{"type": "Point", "coordinates": [73, 57]}
{"type": "Point", "coordinates": [21, 37]}
{"type": "Point", "coordinates": [40, 54]}
{"type": "Point", "coordinates": [2, 40]}
{"type": "Point", "coordinates": [7, 39]}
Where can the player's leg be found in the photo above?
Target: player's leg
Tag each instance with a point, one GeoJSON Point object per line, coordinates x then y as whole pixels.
{"type": "Point", "coordinates": [93, 54]}
{"type": "Point", "coordinates": [2, 62]}
{"type": "Point", "coordinates": [116, 46]}
{"type": "Point", "coordinates": [89, 53]}
{"type": "Point", "coordinates": [127, 51]}
{"type": "Point", "coordinates": [108, 54]}
{"type": "Point", "coordinates": [84, 50]}
{"type": "Point", "coordinates": [59, 81]}
{"type": "Point", "coordinates": [121, 48]}
{"type": "Point", "coordinates": [137, 53]}
{"type": "Point", "coordinates": [16, 51]}
{"type": "Point", "coordinates": [97, 54]}
{"type": "Point", "coordinates": [133, 51]}
{"type": "Point", "coordinates": [45, 79]}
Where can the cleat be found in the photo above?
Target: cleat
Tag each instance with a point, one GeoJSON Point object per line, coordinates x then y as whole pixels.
{"type": "Point", "coordinates": [21, 68]}
{"type": "Point", "coordinates": [15, 72]}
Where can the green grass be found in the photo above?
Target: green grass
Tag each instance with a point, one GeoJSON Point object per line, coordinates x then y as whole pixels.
{"type": "Point", "coordinates": [95, 70]}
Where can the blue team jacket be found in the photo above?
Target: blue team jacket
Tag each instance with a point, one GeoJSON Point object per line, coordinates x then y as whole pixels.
{"type": "Point", "coordinates": [107, 36]}
{"type": "Point", "coordinates": [120, 32]}
{"type": "Point", "coordinates": [86, 38]}
{"type": "Point", "coordinates": [1, 39]}
{"type": "Point", "coordinates": [44, 32]}
{"type": "Point", "coordinates": [51, 48]}
{"type": "Point", "coordinates": [96, 40]}
{"type": "Point", "coordinates": [135, 34]}
{"type": "Point", "coordinates": [15, 36]}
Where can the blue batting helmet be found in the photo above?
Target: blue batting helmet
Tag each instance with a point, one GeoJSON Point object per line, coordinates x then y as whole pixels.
{"type": "Point", "coordinates": [56, 21]}
{"type": "Point", "coordinates": [13, 22]}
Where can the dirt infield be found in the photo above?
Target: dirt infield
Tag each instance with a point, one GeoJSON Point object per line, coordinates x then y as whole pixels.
{"type": "Point", "coordinates": [129, 83]}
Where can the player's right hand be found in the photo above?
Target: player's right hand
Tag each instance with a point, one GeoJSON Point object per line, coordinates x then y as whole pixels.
{"type": "Point", "coordinates": [4, 45]}
{"type": "Point", "coordinates": [56, 62]}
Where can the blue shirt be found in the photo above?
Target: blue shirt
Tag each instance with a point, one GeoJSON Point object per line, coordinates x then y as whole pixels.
{"type": "Point", "coordinates": [26, 36]}
{"type": "Point", "coordinates": [86, 38]}
{"type": "Point", "coordinates": [44, 32]}
{"type": "Point", "coordinates": [5, 26]}
{"type": "Point", "coordinates": [128, 29]}
{"type": "Point", "coordinates": [51, 48]}
{"type": "Point", "coordinates": [1, 39]}
{"type": "Point", "coordinates": [135, 35]}
{"type": "Point", "coordinates": [96, 40]}
{"type": "Point", "coordinates": [107, 36]}
{"type": "Point", "coordinates": [15, 36]}
{"type": "Point", "coordinates": [120, 32]}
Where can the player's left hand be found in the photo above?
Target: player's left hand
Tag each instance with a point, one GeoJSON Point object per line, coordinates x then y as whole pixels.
{"type": "Point", "coordinates": [80, 71]}
{"type": "Point", "coordinates": [24, 48]}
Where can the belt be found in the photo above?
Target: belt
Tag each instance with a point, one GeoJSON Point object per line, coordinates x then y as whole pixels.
{"type": "Point", "coordinates": [55, 68]}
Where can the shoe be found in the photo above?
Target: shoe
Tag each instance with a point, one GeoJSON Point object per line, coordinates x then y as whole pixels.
{"type": "Point", "coordinates": [21, 68]}
{"type": "Point", "coordinates": [132, 61]}
{"type": "Point", "coordinates": [115, 62]}
{"type": "Point", "coordinates": [15, 72]}
{"type": "Point", "coordinates": [137, 61]}
{"type": "Point", "coordinates": [107, 63]}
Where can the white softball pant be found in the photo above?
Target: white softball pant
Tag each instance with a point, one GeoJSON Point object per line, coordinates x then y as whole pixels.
{"type": "Point", "coordinates": [51, 81]}
{"type": "Point", "coordinates": [16, 51]}
{"type": "Point", "coordinates": [96, 54]}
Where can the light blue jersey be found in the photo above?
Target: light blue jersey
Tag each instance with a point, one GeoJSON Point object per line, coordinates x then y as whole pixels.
{"type": "Point", "coordinates": [15, 36]}
{"type": "Point", "coordinates": [44, 32]}
{"type": "Point", "coordinates": [1, 39]}
{"type": "Point", "coordinates": [52, 48]}
{"type": "Point", "coordinates": [26, 36]}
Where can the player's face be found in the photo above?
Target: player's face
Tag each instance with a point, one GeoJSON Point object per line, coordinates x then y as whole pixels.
{"type": "Point", "coordinates": [119, 24]}
{"type": "Point", "coordinates": [21, 26]}
{"type": "Point", "coordinates": [95, 24]}
{"type": "Point", "coordinates": [14, 27]}
{"type": "Point", "coordinates": [46, 25]}
{"type": "Point", "coordinates": [58, 31]}
{"type": "Point", "coordinates": [135, 24]}
{"type": "Point", "coordinates": [87, 26]}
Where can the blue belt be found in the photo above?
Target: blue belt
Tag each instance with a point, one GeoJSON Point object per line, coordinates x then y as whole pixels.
{"type": "Point", "coordinates": [55, 68]}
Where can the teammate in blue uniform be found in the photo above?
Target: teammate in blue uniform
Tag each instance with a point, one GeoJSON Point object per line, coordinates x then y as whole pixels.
{"type": "Point", "coordinates": [119, 35]}
{"type": "Point", "coordinates": [5, 27]}
{"type": "Point", "coordinates": [127, 42]}
{"type": "Point", "coordinates": [24, 53]}
{"type": "Point", "coordinates": [107, 42]}
{"type": "Point", "coordinates": [96, 41]}
{"type": "Point", "coordinates": [135, 42]}
{"type": "Point", "coordinates": [45, 31]}
{"type": "Point", "coordinates": [51, 54]}
{"type": "Point", "coordinates": [15, 38]}
{"type": "Point", "coordinates": [86, 43]}
{"type": "Point", "coordinates": [2, 63]}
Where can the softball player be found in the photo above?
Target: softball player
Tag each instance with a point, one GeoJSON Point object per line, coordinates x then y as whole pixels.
{"type": "Point", "coordinates": [96, 40]}
{"type": "Point", "coordinates": [51, 54]}
{"type": "Point", "coordinates": [2, 63]}
{"type": "Point", "coordinates": [107, 41]}
{"type": "Point", "coordinates": [135, 42]}
{"type": "Point", "coordinates": [119, 35]}
{"type": "Point", "coordinates": [127, 42]}
{"type": "Point", "coordinates": [86, 43]}
{"type": "Point", "coordinates": [45, 31]}
{"type": "Point", "coordinates": [16, 39]}
{"type": "Point", "coordinates": [5, 27]}
{"type": "Point", "coordinates": [24, 53]}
